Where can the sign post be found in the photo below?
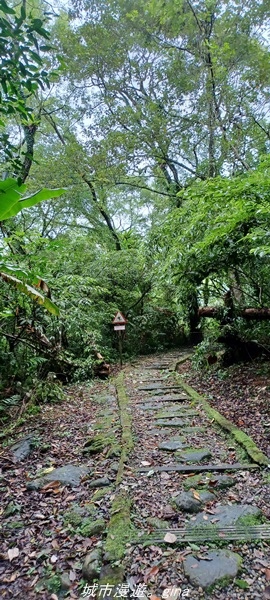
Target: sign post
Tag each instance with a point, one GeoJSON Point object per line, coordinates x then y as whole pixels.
{"type": "Point", "coordinates": [119, 324]}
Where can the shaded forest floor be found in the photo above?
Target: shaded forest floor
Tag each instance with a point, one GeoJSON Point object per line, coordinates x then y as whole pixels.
{"type": "Point", "coordinates": [241, 393]}
{"type": "Point", "coordinates": [47, 532]}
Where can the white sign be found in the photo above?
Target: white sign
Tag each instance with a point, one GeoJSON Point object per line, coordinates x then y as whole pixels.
{"type": "Point", "coordinates": [119, 319]}
{"type": "Point", "coordinates": [119, 327]}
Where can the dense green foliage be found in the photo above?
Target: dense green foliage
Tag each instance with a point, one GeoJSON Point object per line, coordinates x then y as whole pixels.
{"type": "Point", "coordinates": [155, 122]}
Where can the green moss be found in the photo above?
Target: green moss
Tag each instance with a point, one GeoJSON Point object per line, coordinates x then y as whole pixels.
{"type": "Point", "coordinates": [52, 584]}
{"type": "Point", "coordinates": [242, 584]}
{"type": "Point", "coordinates": [119, 528]}
{"type": "Point", "coordinates": [111, 575]}
{"type": "Point", "coordinates": [101, 493]}
{"type": "Point", "coordinates": [98, 443]}
{"type": "Point", "coordinates": [89, 527]}
{"type": "Point", "coordinates": [127, 443]}
{"type": "Point", "coordinates": [251, 520]}
{"type": "Point", "coordinates": [74, 517]}
{"type": "Point", "coordinates": [242, 438]}
{"type": "Point", "coordinates": [15, 525]}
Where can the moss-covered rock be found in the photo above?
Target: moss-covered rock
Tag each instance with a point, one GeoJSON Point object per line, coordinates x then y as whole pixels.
{"type": "Point", "coordinates": [98, 443]}
{"type": "Point", "coordinates": [119, 529]}
{"type": "Point", "coordinates": [92, 565]}
{"type": "Point", "coordinates": [90, 527]}
{"type": "Point", "coordinates": [204, 480]}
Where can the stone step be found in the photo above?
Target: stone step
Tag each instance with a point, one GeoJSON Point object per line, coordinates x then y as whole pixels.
{"type": "Point", "coordinates": [176, 422]}
{"type": "Point", "coordinates": [199, 468]}
{"type": "Point", "coordinates": [153, 386]}
{"type": "Point", "coordinates": [203, 534]}
{"type": "Point", "coordinates": [168, 398]}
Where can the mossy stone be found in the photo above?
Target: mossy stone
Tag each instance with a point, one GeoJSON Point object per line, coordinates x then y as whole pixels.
{"type": "Point", "coordinates": [92, 565]}
{"type": "Point", "coordinates": [89, 527]}
{"type": "Point", "coordinates": [193, 454]}
{"type": "Point", "coordinates": [97, 444]}
{"type": "Point", "coordinates": [219, 567]}
{"type": "Point", "coordinates": [203, 481]}
{"type": "Point", "coordinates": [157, 523]}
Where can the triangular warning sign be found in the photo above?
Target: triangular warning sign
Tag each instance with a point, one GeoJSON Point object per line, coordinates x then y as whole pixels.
{"type": "Point", "coordinates": [119, 319]}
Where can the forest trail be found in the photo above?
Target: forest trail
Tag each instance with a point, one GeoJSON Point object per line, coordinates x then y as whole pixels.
{"type": "Point", "coordinates": [132, 489]}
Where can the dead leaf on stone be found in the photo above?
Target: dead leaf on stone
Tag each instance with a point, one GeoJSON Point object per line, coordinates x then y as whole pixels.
{"type": "Point", "coordinates": [170, 538]}
{"type": "Point", "coordinates": [196, 495]}
{"type": "Point", "coordinates": [13, 553]}
{"type": "Point", "coordinates": [52, 485]}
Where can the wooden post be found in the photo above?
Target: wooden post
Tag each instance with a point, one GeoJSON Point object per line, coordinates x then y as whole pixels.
{"type": "Point", "coordinates": [120, 345]}
{"type": "Point", "coordinates": [119, 324]}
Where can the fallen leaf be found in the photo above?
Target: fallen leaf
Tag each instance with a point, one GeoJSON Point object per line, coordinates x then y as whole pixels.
{"type": "Point", "coordinates": [145, 463]}
{"type": "Point", "coordinates": [72, 576]}
{"type": "Point", "coordinates": [165, 475]}
{"type": "Point", "coordinates": [170, 538]}
{"type": "Point", "coordinates": [150, 573]}
{"type": "Point", "coordinates": [48, 470]}
{"type": "Point", "coordinates": [13, 553]}
{"type": "Point", "coordinates": [34, 581]}
{"type": "Point", "coordinates": [54, 558]}
{"type": "Point", "coordinates": [267, 574]}
{"type": "Point", "coordinates": [55, 544]}
{"type": "Point", "coordinates": [12, 577]}
{"type": "Point", "coordinates": [39, 515]}
{"type": "Point", "coordinates": [196, 495]}
{"type": "Point", "coordinates": [50, 486]}
{"type": "Point", "coordinates": [266, 593]}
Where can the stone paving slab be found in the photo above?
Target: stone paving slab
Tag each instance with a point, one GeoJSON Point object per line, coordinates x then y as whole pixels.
{"type": "Point", "coordinates": [171, 423]}
{"type": "Point", "coordinates": [152, 387]}
{"type": "Point", "coordinates": [225, 515]}
{"type": "Point", "coordinates": [217, 565]}
{"type": "Point", "coordinates": [171, 445]}
{"type": "Point", "coordinates": [166, 398]}
{"type": "Point", "coordinates": [199, 468]}
{"type": "Point", "coordinates": [193, 455]}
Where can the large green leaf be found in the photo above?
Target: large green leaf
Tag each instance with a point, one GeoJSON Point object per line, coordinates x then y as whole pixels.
{"type": "Point", "coordinates": [10, 194]}
{"type": "Point", "coordinates": [36, 295]}
{"type": "Point", "coordinates": [12, 200]}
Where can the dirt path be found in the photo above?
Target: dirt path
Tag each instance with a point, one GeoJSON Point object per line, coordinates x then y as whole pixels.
{"type": "Point", "coordinates": [167, 503]}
